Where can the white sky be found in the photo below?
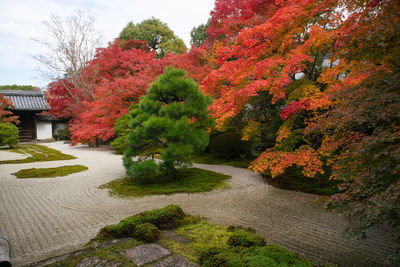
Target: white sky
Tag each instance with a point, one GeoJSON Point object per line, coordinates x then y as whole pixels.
{"type": "Point", "coordinates": [21, 20]}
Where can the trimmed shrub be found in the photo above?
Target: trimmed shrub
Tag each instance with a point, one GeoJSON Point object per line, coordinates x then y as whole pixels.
{"type": "Point", "coordinates": [243, 238]}
{"type": "Point", "coordinates": [124, 228]}
{"type": "Point", "coordinates": [230, 145]}
{"type": "Point", "coordinates": [165, 218]}
{"type": "Point", "coordinates": [9, 134]}
{"type": "Point", "coordinates": [145, 226]}
{"type": "Point", "coordinates": [147, 232]}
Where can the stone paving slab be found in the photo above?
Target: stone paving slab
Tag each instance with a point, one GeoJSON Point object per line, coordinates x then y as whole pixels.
{"type": "Point", "coordinates": [174, 261]}
{"type": "Point", "coordinates": [146, 253]}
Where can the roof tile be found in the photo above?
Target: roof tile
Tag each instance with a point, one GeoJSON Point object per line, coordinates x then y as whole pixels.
{"type": "Point", "coordinates": [26, 100]}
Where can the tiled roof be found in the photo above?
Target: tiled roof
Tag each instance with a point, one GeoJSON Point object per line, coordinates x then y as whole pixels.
{"type": "Point", "coordinates": [26, 100]}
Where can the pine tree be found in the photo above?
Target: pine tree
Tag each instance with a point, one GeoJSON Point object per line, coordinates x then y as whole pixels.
{"type": "Point", "coordinates": [171, 120]}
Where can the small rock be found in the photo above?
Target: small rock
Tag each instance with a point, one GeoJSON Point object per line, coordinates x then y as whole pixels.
{"type": "Point", "coordinates": [91, 261]}
{"type": "Point", "coordinates": [113, 264]}
{"type": "Point", "coordinates": [174, 261]}
{"type": "Point", "coordinates": [97, 262]}
{"type": "Point", "coordinates": [147, 253]}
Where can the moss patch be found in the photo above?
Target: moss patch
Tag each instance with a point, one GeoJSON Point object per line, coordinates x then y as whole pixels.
{"type": "Point", "coordinates": [50, 172]}
{"type": "Point", "coordinates": [203, 235]}
{"type": "Point", "coordinates": [214, 245]}
{"type": "Point", "coordinates": [186, 181]}
{"type": "Point", "coordinates": [145, 224]}
{"type": "Point", "coordinates": [207, 158]}
{"type": "Point", "coordinates": [37, 153]}
{"type": "Point", "coordinates": [294, 180]}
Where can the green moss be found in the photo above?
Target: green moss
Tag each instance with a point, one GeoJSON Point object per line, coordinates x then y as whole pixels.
{"type": "Point", "coordinates": [242, 238]}
{"type": "Point", "coordinates": [207, 158]}
{"type": "Point", "coordinates": [145, 226]}
{"type": "Point", "coordinates": [272, 255]}
{"type": "Point", "coordinates": [38, 153]}
{"type": "Point", "coordinates": [203, 235]}
{"type": "Point", "coordinates": [186, 181]}
{"type": "Point", "coordinates": [50, 172]}
{"type": "Point", "coordinates": [214, 245]}
{"type": "Point", "coordinates": [294, 180]}
{"type": "Point", "coordinates": [165, 218]}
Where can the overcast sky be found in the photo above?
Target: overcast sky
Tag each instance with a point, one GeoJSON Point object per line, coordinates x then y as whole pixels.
{"type": "Point", "coordinates": [21, 20]}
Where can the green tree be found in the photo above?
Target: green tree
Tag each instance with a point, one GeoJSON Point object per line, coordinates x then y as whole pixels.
{"type": "Point", "coordinates": [171, 120]}
{"type": "Point", "coordinates": [198, 34]}
{"type": "Point", "coordinates": [9, 134]}
{"type": "Point", "coordinates": [121, 130]}
{"type": "Point", "coordinates": [19, 87]}
{"type": "Point", "coordinates": [157, 34]}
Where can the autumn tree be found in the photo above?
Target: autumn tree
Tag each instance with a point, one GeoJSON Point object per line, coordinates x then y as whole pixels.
{"type": "Point", "coordinates": [335, 66]}
{"type": "Point", "coordinates": [173, 117]}
{"type": "Point", "coordinates": [363, 126]}
{"type": "Point", "coordinates": [64, 99]}
{"type": "Point", "coordinates": [157, 34]}
{"type": "Point", "coordinates": [229, 17]}
{"type": "Point", "coordinates": [123, 74]}
{"type": "Point", "coordinates": [5, 114]}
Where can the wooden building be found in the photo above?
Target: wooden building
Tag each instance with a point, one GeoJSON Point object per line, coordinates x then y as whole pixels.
{"type": "Point", "coordinates": [27, 104]}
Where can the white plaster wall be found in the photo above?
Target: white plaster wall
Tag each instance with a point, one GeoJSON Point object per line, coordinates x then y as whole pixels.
{"type": "Point", "coordinates": [44, 130]}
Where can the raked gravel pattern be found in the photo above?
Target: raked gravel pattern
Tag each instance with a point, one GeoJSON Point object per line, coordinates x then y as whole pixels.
{"type": "Point", "coordinates": [48, 217]}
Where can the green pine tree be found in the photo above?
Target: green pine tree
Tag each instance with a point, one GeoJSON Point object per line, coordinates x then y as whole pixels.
{"type": "Point", "coordinates": [171, 120]}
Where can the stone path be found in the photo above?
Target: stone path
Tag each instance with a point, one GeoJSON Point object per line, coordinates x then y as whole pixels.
{"type": "Point", "coordinates": [47, 217]}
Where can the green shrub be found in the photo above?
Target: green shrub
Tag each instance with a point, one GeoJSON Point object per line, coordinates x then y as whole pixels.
{"type": "Point", "coordinates": [145, 226]}
{"type": "Point", "coordinates": [272, 255]}
{"type": "Point", "coordinates": [268, 256]}
{"type": "Point", "coordinates": [215, 256]}
{"type": "Point", "coordinates": [243, 238]}
{"type": "Point", "coordinates": [230, 145]}
{"type": "Point", "coordinates": [165, 218]}
{"type": "Point", "coordinates": [124, 228]}
{"type": "Point", "coordinates": [147, 232]}
{"type": "Point", "coordinates": [64, 134]}
{"type": "Point", "coordinates": [121, 130]}
{"type": "Point", "coordinates": [9, 134]}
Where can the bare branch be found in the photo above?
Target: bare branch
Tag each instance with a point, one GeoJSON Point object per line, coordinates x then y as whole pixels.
{"type": "Point", "coordinates": [71, 44]}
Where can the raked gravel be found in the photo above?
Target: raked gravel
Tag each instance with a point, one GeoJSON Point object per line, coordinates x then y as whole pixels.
{"type": "Point", "coordinates": [48, 217]}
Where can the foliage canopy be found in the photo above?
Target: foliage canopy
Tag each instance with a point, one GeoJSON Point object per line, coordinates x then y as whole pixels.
{"type": "Point", "coordinates": [157, 34]}
{"type": "Point", "coordinates": [9, 134]}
